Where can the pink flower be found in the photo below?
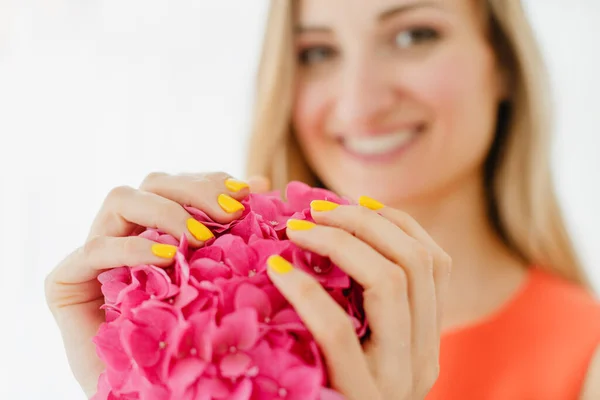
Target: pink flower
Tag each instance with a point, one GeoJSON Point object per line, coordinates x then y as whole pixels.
{"type": "Point", "coordinates": [236, 335]}
{"type": "Point", "coordinates": [321, 268]}
{"type": "Point", "coordinates": [105, 391]}
{"type": "Point", "coordinates": [280, 375]}
{"type": "Point", "coordinates": [299, 196]}
{"type": "Point", "coordinates": [146, 337]}
{"type": "Point", "coordinates": [213, 326]}
{"type": "Point", "coordinates": [191, 352]}
{"type": "Point", "coordinates": [272, 209]}
{"type": "Point", "coordinates": [257, 225]}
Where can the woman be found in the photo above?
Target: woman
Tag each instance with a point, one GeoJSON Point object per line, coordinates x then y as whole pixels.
{"type": "Point", "coordinates": [438, 110]}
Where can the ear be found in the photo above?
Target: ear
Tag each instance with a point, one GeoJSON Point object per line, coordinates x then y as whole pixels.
{"type": "Point", "coordinates": [259, 184]}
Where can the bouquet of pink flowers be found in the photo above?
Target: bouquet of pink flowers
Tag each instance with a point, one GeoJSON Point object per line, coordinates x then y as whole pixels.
{"type": "Point", "coordinates": [213, 326]}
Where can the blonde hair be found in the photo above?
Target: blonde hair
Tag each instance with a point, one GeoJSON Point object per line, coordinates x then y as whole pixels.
{"type": "Point", "coordinates": [522, 204]}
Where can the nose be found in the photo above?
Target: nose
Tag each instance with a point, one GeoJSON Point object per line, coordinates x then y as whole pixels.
{"type": "Point", "coordinates": [365, 93]}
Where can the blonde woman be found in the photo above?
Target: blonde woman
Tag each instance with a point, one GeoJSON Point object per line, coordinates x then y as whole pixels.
{"type": "Point", "coordinates": [438, 109]}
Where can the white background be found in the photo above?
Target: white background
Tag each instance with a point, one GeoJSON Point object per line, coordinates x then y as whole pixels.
{"type": "Point", "coordinates": [95, 94]}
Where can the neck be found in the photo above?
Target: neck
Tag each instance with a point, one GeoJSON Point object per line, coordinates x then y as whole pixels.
{"type": "Point", "coordinates": [457, 220]}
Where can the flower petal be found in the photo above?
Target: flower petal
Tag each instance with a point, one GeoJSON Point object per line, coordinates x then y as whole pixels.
{"type": "Point", "coordinates": [234, 365]}
{"type": "Point", "coordinates": [248, 295]}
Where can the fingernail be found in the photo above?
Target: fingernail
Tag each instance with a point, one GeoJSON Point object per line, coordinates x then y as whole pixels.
{"type": "Point", "coordinates": [235, 185]}
{"type": "Point", "coordinates": [370, 203]}
{"type": "Point", "coordinates": [164, 250]}
{"type": "Point", "coordinates": [279, 265]}
{"type": "Point", "coordinates": [299, 225]}
{"type": "Point", "coordinates": [323, 205]}
{"type": "Point", "coordinates": [229, 204]}
{"type": "Point", "coordinates": [199, 230]}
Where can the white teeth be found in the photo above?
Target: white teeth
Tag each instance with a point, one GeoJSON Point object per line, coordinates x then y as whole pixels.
{"type": "Point", "coordinates": [379, 144]}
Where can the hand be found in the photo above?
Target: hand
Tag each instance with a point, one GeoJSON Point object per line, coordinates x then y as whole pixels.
{"type": "Point", "coordinates": [405, 275]}
{"type": "Point", "coordinates": [72, 289]}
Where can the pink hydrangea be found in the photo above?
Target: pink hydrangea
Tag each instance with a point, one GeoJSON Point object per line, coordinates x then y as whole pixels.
{"type": "Point", "coordinates": [213, 326]}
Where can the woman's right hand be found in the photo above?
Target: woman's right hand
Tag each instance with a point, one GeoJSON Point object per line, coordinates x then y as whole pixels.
{"type": "Point", "coordinates": [72, 290]}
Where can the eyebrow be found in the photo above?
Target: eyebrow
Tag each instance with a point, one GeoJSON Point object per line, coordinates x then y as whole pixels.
{"type": "Point", "coordinates": [408, 7]}
{"type": "Point", "coordinates": [381, 18]}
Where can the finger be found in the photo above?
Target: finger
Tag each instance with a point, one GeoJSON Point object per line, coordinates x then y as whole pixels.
{"type": "Point", "coordinates": [102, 253]}
{"type": "Point", "coordinates": [406, 251]}
{"type": "Point", "coordinates": [330, 326]}
{"type": "Point", "coordinates": [385, 284]}
{"type": "Point", "coordinates": [217, 194]}
{"type": "Point", "coordinates": [74, 295]}
{"type": "Point", "coordinates": [259, 184]}
{"type": "Point", "coordinates": [442, 263]}
{"type": "Point", "coordinates": [126, 209]}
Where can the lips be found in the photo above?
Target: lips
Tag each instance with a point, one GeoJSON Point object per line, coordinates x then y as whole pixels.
{"type": "Point", "coordinates": [379, 144]}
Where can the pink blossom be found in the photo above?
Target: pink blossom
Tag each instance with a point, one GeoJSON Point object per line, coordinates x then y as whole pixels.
{"type": "Point", "coordinates": [321, 268]}
{"type": "Point", "coordinates": [299, 196]}
{"type": "Point", "coordinates": [236, 335]}
{"type": "Point", "coordinates": [212, 325]}
{"type": "Point", "coordinates": [281, 375]}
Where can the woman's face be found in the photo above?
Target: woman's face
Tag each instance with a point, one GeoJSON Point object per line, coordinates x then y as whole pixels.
{"type": "Point", "coordinates": [395, 99]}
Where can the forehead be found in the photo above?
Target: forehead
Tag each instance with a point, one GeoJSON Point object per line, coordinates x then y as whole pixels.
{"type": "Point", "coordinates": [361, 11]}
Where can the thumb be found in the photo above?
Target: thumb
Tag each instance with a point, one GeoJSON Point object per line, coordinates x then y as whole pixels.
{"type": "Point", "coordinates": [259, 184]}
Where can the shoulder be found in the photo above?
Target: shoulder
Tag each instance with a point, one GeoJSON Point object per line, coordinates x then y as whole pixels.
{"type": "Point", "coordinates": [561, 334]}
{"type": "Point", "coordinates": [569, 317]}
{"type": "Point", "coordinates": [556, 298]}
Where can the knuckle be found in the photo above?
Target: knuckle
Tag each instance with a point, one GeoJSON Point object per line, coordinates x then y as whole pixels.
{"type": "Point", "coordinates": [363, 220]}
{"type": "Point", "coordinates": [395, 279]}
{"type": "Point", "coordinates": [49, 286]}
{"type": "Point", "coordinates": [129, 245]}
{"type": "Point", "coordinates": [308, 288]}
{"type": "Point", "coordinates": [402, 218]}
{"type": "Point", "coordinates": [150, 180]}
{"type": "Point", "coordinates": [445, 262]}
{"type": "Point", "coordinates": [217, 176]}
{"type": "Point", "coordinates": [92, 247]}
{"type": "Point", "coordinates": [170, 213]}
{"type": "Point", "coordinates": [339, 236]}
{"type": "Point", "coordinates": [336, 332]}
{"type": "Point", "coordinates": [118, 193]}
{"type": "Point", "coordinates": [422, 254]}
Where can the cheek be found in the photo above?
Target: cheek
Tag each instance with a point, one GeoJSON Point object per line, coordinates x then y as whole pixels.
{"type": "Point", "coordinates": [457, 90]}
{"type": "Point", "coordinates": [309, 110]}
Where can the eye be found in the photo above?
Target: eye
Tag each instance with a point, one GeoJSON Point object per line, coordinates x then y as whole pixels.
{"type": "Point", "coordinates": [315, 55]}
{"type": "Point", "coordinates": [416, 36]}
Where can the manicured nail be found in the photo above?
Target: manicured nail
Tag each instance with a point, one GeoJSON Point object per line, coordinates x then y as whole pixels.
{"type": "Point", "coordinates": [279, 265]}
{"type": "Point", "coordinates": [299, 225]}
{"type": "Point", "coordinates": [199, 230]}
{"type": "Point", "coordinates": [235, 185]}
{"type": "Point", "coordinates": [229, 204]}
{"type": "Point", "coordinates": [370, 203]}
{"type": "Point", "coordinates": [164, 250]}
{"type": "Point", "coordinates": [323, 205]}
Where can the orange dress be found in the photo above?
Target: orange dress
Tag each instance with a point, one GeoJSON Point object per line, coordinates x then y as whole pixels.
{"type": "Point", "coordinates": [538, 347]}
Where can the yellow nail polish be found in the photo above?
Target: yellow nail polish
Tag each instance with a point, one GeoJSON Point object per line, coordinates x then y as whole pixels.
{"type": "Point", "coordinates": [235, 185]}
{"type": "Point", "coordinates": [164, 250]}
{"type": "Point", "coordinates": [370, 203]}
{"type": "Point", "coordinates": [199, 230]}
{"type": "Point", "coordinates": [279, 265]}
{"type": "Point", "coordinates": [299, 225]}
{"type": "Point", "coordinates": [229, 204]}
{"type": "Point", "coordinates": [323, 205]}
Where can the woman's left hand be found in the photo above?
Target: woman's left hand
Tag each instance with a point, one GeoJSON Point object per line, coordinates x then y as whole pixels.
{"type": "Point", "coordinates": [405, 276]}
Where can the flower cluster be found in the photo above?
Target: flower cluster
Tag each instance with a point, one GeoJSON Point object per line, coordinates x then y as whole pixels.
{"type": "Point", "coordinates": [213, 326]}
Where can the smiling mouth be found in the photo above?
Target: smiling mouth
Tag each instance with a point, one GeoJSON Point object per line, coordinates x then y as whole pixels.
{"type": "Point", "coordinates": [381, 144]}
